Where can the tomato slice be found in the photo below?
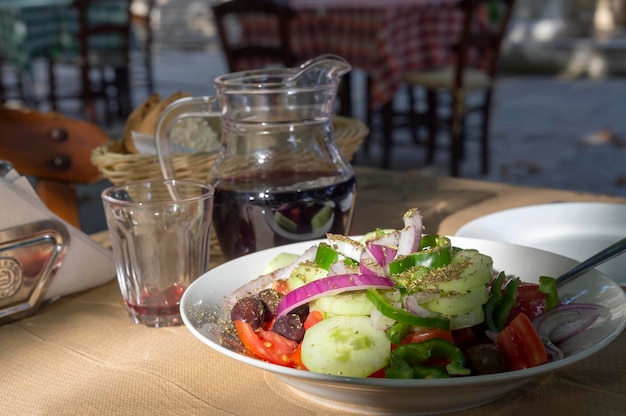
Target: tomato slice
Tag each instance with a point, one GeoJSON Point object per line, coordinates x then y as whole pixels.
{"type": "Point", "coordinates": [281, 286]}
{"type": "Point", "coordinates": [530, 301]}
{"type": "Point", "coordinates": [465, 338]}
{"type": "Point", "coordinates": [296, 358]}
{"type": "Point", "coordinates": [421, 335]}
{"type": "Point", "coordinates": [378, 373]}
{"type": "Point", "coordinates": [313, 318]}
{"type": "Point", "coordinates": [521, 344]}
{"type": "Point", "coordinates": [267, 345]}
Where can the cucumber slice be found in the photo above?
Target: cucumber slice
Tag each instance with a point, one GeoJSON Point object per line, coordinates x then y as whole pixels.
{"type": "Point", "coordinates": [295, 282]}
{"type": "Point", "coordinates": [468, 269]}
{"type": "Point", "coordinates": [348, 303]}
{"type": "Point", "coordinates": [372, 234]}
{"type": "Point", "coordinates": [305, 273]}
{"type": "Point", "coordinates": [309, 271]}
{"type": "Point", "coordinates": [454, 303]}
{"type": "Point", "coordinates": [346, 346]}
{"type": "Point", "coordinates": [468, 319]}
{"type": "Point", "coordinates": [280, 261]}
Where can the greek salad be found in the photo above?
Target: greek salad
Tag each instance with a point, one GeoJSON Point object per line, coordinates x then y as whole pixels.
{"type": "Point", "coordinates": [400, 304]}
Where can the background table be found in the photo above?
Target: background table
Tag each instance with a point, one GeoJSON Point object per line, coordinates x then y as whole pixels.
{"type": "Point", "coordinates": [385, 38]}
{"type": "Point", "coordinates": [82, 356]}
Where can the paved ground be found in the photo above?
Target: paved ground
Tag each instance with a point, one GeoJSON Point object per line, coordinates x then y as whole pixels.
{"type": "Point", "coordinates": [546, 131]}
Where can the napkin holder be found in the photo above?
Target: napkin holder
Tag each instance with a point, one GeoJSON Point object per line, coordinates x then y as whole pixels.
{"type": "Point", "coordinates": [42, 257]}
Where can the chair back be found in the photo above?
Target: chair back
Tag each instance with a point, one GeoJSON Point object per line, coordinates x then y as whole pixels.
{"type": "Point", "coordinates": [100, 51]}
{"type": "Point", "coordinates": [143, 40]}
{"type": "Point", "coordinates": [485, 24]}
{"type": "Point", "coordinates": [53, 149]}
{"type": "Point", "coordinates": [104, 26]}
{"type": "Point", "coordinates": [247, 50]}
{"type": "Point", "coordinates": [104, 31]}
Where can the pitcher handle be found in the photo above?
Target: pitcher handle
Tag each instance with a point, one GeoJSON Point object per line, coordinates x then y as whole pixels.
{"type": "Point", "coordinates": [173, 113]}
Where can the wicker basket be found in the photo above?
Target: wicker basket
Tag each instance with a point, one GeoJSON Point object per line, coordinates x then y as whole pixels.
{"type": "Point", "coordinates": [120, 167]}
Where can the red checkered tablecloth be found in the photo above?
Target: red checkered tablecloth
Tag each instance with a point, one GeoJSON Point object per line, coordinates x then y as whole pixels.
{"type": "Point", "coordinates": [385, 38]}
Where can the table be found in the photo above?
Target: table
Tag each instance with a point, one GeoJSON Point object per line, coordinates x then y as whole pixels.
{"type": "Point", "coordinates": [82, 356]}
{"type": "Point", "coordinates": [386, 39]}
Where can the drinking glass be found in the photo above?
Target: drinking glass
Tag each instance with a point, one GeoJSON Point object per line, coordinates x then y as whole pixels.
{"type": "Point", "coordinates": [160, 234]}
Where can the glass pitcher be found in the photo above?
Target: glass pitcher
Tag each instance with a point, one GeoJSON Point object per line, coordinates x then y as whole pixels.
{"type": "Point", "coordinates": [279, 176]}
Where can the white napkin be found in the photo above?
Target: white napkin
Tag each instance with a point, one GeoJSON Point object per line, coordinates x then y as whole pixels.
{"type": "Point", "coordinates": [86, 264]}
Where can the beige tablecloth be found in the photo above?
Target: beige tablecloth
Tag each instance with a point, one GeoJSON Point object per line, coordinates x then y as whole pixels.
{"type": "Point", "coordinates": [82, 356]}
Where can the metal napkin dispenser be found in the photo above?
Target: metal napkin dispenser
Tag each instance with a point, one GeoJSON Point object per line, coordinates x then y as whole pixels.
{"type": "Point", "coordinates": [37, 262]}
{"type": "Point", "coordinates": [30, 256]}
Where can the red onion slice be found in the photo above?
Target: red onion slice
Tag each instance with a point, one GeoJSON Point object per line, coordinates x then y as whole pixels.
{"type": "Point", "coordinates": [382, 254]}
{"type": "Point", "coordinates": [411, 234]}
{"type": "Point", "coordinates": [340, 267]}
{"type": "Point", "coordinates": [413, 301]}
{"type": "Point", "coordinates": [369, 266]}
{"type": "Point", "coordinates": [389, 239]}
{"type": "Point", "coordinates": [345, 245]}
{"type": "Point", "coordinates": [329, 286]}
{"type": "Point", "coordinates": [564, 321]}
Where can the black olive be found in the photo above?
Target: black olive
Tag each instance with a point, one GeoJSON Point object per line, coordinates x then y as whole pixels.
{"type": "Point", "coordinates": [250, 310]}
{"type": "Point", "coordinates": [302, 311]}
{"type": "Point", "coordinates": [289, 326]}
{"type": "Point", "coordinates": [486, 359]}
{"type": "Point", "coordinates": [271, 298]}
{"type": "Point", "coordinates": [230, 339]}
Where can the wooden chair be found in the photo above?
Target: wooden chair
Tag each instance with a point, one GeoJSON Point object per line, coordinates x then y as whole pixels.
{"type": "Point", "coordinates": [102, 56]}
{"type": "Point", "coordinates": [243, 52]}
{"type": "Point", "coordinates": [249, 52]}
{"type": "Point", "coordinates": [474, 70]}
{"type": "Point", "coordinates": [15, 84]}
{"type": "Point", "coordinates": [55, 151]}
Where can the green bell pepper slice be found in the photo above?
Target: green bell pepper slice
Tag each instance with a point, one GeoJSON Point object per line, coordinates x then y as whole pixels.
{"type": "Point", "coordinates": [495, 296]}
{"type": "Point", "coordinates": [499, 305]}
{"type": "Point", "coordinates": [400, 315]}
{"type": "Point", "coordinates": [506, 304]}
{"type": "Point", "coordinates": [408, 360]}
{"type": "Point", "coordinates": [435, 252]}
{"type": "Point", "coordinates": [547, 286]}
{"type": "Point", "coordinates": [396, 332]}
{"type": "Point", "coordinates": [326, 256]}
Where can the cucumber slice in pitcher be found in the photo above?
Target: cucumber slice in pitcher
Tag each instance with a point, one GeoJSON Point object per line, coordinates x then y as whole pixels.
{"type": "Point", "coordinates": [346, 346]}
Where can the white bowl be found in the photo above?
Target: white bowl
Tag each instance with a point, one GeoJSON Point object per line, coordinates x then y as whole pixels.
{"type": "Point", "coordinates": [572, 229]}
{"type": "Point", "coordinates": [202, 301]}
